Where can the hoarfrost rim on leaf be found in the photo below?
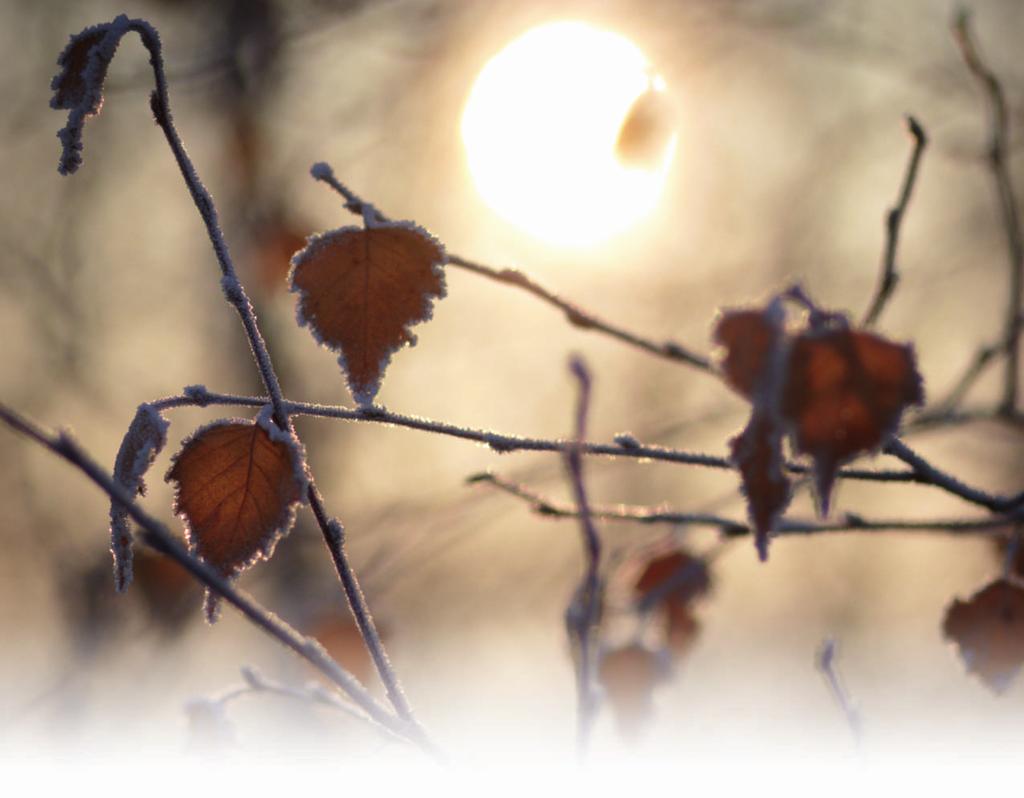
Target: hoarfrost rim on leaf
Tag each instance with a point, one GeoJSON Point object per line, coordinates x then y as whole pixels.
{"type": "Point", "coordinates": [364, 395]}
{"type": "Point", "coordinates": [145, 439]}
{"type": "Point", "coordinates": [283, 522]}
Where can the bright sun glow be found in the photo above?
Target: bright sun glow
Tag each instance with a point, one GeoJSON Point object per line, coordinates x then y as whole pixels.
{"type": "Point", "coordinates": [541, 128]}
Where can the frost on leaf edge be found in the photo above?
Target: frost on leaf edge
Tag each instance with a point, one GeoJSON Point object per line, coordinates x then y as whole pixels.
{"type": "Point", "coordinates": [141, 445]}
{"type": "Point", "coordinates": [284, 522]}
{"type": "Point", "coordinates": [364, 398]}
{"type": "Point", "coordinates": [84, 99]}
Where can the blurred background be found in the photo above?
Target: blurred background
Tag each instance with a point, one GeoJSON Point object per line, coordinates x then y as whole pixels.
{"type": "Point", "coordinates": [771, 140]}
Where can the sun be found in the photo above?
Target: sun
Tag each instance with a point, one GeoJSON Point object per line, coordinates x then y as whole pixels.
{"type": "Point", "coordinates": [568, 134]}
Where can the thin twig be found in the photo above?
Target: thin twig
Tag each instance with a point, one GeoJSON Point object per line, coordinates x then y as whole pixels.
{"type": "Point", "coordinates": [998, 158]}
{"type": "Point", "coordinates": [576, 315]}
{"type": "Point", "coordinates": [256, 683]}
{"type": "Point", "coordinates": [236, 296]}
{"type": "Point", "coordinates": [157, 536]}
{"type": "Point", "coordinates": [364, 620]}
{"type": "Point", "coordinates": [948, 406]}
{"type": "Point", "coordinates": [231, 286]}
{"type": "Point", "coordinates": [889, 276]}
{"type": "Point", "coordinates": [625, 446]}
{"type": "Point", "coordinates": [583, 614]}
{"type": "Point", "coordinates": [850, 522]}
{"type": "Point", "coordinates": [949, 483]}
{"type": "Point", "coordinates": [826, 664]}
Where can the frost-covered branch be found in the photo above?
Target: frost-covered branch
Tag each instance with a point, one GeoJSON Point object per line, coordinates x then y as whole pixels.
{"type": "Point", "coordinates": [995, 525]}
{"type": "Point", "coordinates": [79, 89]}
{"type": "Point", "coordinates": [156, 535]}
{"type": "Point", "coordinates": [623, 446]}
{"type": "Point", "coordinates": [576, 315]}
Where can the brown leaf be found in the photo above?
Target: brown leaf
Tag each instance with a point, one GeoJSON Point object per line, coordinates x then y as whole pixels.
{"type": "Point", "coordinates": [688, 573]}
{"type": "Point", "coordinates": [361, 289]}
{"type": "Point", "coordinates": [682, 629]}
{"type": "Point", "coordinates": [836, 392]}
{"type": "Point", "coordinates": [844, 395]}
{"type": "Point", "coordinates": [237, 484]}
{"type": "Point", "coordinates": [750, 338]}
{"type": "Point", "coordinates": [989, 631]}
{"type": "Point", "coordinates": [629, 676]}
{"type": "Point", "coordinates": [757, 453]}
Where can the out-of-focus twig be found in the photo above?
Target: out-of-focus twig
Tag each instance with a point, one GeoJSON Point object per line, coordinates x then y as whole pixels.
{"type": "Point", "coordinates": [998, 159]}
{"type": "Point", "coordinates": [826, 664]}
{"type": "Point", "coordinates": [889, 276]}
{"type": "Point", "coordinates": [583, 614]}
{"type": "Point", "coordinates": [995, 525]}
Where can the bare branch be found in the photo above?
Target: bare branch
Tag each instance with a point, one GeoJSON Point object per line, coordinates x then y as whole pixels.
{"type": "Point", "coordinates": [996, 525]}
{"type": "Point", "coordinates": [889, 276]}
{"type": "Point", "coordinates": [826, 664]}
{"type": "Point", "coordinates": [334, 535]}
{"type": "Point", "coordinates": [625, 445]}
{"type": "Point", "coordinates": [584, 612]}
{"type": "Point", "coordinates": [998, 158]}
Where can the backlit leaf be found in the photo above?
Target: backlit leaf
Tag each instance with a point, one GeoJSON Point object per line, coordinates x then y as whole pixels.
{"type": "Point", "coordinates": [757, 453]}
{"type": "Point", "coordinates": [361, 289]}
{"type": "Point", "coordinates": [837, 392]}
{"type": "Point", "coordinates": [750, 338]}
{"type": "Point", "coordinates": [237, 484]}
{"type": "Point", "coordinates": [844, 395]}
{"type": "Point", "coordinates": [989, 631]}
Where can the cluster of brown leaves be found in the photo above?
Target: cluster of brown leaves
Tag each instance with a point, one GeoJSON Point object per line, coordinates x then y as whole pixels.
{"type": "Point", "coordinates": [663, 589]}
{"type": "Point", "coordinates": [836, 392]}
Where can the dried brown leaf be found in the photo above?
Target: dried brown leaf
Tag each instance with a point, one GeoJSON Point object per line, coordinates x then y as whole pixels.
{"type": "Point", "coordinates": [361, 289]}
